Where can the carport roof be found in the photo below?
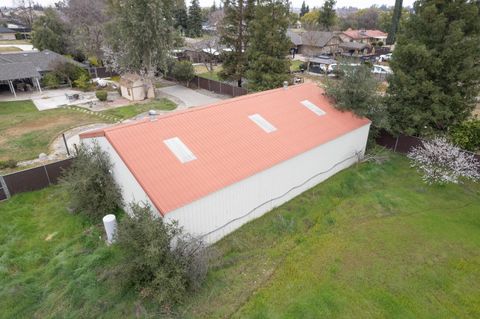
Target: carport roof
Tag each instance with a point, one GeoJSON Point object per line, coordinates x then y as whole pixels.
{"type": "Point", "coordinates": [17, 71]}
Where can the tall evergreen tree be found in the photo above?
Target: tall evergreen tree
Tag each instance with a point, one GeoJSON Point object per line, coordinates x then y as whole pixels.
{"type": "Point", "coordinates": [436, 67]}
{"type": "Point", "coordinates": [49, 32]}
{"type": "Point", "coordinates": [234, 33]}
{"type": "Point", "coordinates": [268, 66]}
{"type": "Point", "coordinates": [140, 35]}
{"type": "Point", "coordinates": [397, 13]}
{"type": "Point", "coordinates": [327, 15]}
{"type": "Point", "coordinates": [194, 20]}
{"type": "Point", "coordinates": [181, 16]}
{"type": "Point", "coordinates": [304, 9]}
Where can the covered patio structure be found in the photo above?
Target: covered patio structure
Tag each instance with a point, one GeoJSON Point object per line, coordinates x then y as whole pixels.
{"type": "Point", "coordinates": [19, 71]}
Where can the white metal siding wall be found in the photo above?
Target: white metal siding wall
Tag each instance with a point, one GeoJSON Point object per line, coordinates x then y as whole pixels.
{"type": "Point", "coordinates": [217, 209]}
{"type": "Point", "coordinates": [131, 189]}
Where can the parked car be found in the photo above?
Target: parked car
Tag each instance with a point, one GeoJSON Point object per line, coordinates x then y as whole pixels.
{"type": "Point", "coordinates": [381, 69]}
{"type": "Point", "coordinates": [385, 57]}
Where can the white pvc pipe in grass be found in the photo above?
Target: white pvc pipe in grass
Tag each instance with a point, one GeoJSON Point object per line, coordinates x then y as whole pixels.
{"type": "Point", "coordinates": [110, 223]}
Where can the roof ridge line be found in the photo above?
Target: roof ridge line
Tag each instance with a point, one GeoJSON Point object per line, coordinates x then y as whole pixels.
{"type": "Point", "coordinates": [203, 107]}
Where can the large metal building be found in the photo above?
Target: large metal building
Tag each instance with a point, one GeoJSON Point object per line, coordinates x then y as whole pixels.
{"type": "Point", "coordinates": [214, 168]}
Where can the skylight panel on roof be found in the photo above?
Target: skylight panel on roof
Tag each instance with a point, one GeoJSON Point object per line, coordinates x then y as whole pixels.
{"type": "Point", "coordinates": [312, 107]}
{"type": "Point", "coordinates": [180, 150]}
{"type": "Point", "coordinates": [263, 123]}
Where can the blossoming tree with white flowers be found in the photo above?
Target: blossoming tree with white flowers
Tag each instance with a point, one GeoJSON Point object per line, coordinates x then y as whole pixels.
{"type": "Point", "coordinates": [441, 162]}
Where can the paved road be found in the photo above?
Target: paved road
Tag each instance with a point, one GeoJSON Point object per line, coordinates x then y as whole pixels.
{"type": "Point", "coordinates": [187, 96]}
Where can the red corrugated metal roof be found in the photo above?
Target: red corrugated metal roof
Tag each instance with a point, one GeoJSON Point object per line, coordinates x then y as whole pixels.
{"type": "Point", "coordinates": [227, 144]}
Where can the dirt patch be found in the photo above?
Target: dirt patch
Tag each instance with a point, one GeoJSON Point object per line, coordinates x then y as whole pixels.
{"type": "Point", "coordinates": [37, 124]}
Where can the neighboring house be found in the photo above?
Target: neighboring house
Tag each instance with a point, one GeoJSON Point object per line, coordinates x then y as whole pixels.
{"type": "Point", "coordinates": [364, 36]}
{"type": "Point", "coordinates": [217, 167]}
{"type": "Point", "coordinates": [6, 34]}
{"type": "Point", "coordinates": [135, 88]}
{"type": "Point", "coordinates": [314, 43]}
{"type": "Point", "coordinates": [355, 48]}
{"type": "Point", "coordinates": [22, 69]}
{"type": "Point", "coordinates": [201, 50]}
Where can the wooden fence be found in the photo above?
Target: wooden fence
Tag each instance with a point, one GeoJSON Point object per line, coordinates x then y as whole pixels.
{"type": "Point", "coordinates": [403, 143]}
{"type": "Point", "coordinates": [218, 87]}
{"type": "Point", "coordinates": [32, 179]}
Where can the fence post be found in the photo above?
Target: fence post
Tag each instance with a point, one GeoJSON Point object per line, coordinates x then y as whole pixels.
{"type": "Point", "coordinates": [396, 143]}
{"type": "Point", "coordinates": [46, 173]}
{"type": "Point", "coordinates": [209, 86]}
{"type": "Point", "coordinates": [4, 187]}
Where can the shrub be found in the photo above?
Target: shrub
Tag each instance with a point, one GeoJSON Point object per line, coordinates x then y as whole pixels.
{"type": "Point", "coordinates": [159, 260]}
{"type": "Point", "coordinates": [50, 80]}
{"type": "Point", "coordinates": [441, 162]}
{"type": "Point", "coordinates": [380, 43]}
{"type": "Point", "coordinates": [83, 82]}
{"type": "Point", "coordinates": [101, 95]}
{"type": "Point", "coordinates": [467, 135]}
{"type": "Point", "coordinates": [183, 71]}
{"type": "Point", "coordinates": [90, 185]}
{"type": "Point", "coordinates": [8, 164]}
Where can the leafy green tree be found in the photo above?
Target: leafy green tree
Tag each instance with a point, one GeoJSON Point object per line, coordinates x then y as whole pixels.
{"type": "Point", "coordinates": [140, 35]}
{"type": "Point", "coordinates": [304, 9]}
{"type": "Point", "coordinates": [467, 135]}
{"type": "Point", "coordinates": [181, 16]}
{"type": "Point", "coordinates": [327, 16]}
{"type": "Point", "coordinates": [158, 259]}
{"type": "Point", "coordinates": [183, 71]}
{"type": "Point", "coordinates": [436, 69]}
{"type": "Point", "coordinates": [268, 65]}
{"type": "Point", "coordinates": [356, 91]}
{"type": "Point", "coordinates": [234, 34]}
{"type": "Point", "coordinates": [90, 184]}
{"type": "Point", "coordinates": [397, 12]}
{"type": "Point", "coordinates": [51, 80]}
{"type": "Point", "coordinates": [194, 20]}
{"type": "Point", "coordinates": [49, 32]}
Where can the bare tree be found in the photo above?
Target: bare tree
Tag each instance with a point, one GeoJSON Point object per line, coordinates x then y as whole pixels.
{"type": "Point", "coordinates": [87, 19]}
{"type": "Point", "coordinates": [25, 12]}
{"type": "Point", "coordinates": [209, 51]}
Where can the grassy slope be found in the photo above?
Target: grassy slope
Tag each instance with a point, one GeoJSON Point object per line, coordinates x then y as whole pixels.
{"type": "Point", "coordinates": [372, 241]}
{"type": "Point", "coordinates": [26, 132]}
{"type": "Point", "coordinates": [126, 112]}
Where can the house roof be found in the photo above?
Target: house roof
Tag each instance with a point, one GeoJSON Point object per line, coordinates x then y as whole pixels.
{"type": "Point", "coordinates": [317, 38]}
{"type": "Point", "coordinates": [128, 79]}
{"type": "Point", "coordinates": [18, 70]}
{"type": "Point", "coordinates": [42, 60]}
{"type": "Point", "coordinates": [225, 142]}
{"type": "Point", "coordinates": [354, 45]}
{"type": "Point", "coordinates": [6, 30]}
{"type": "Point", "coordinates": [294, 37]}
{"type": "Point", "coordinates": [365, 34]}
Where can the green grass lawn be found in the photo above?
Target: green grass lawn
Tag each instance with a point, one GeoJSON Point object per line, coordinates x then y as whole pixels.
{"type": "Point", "coordinates": [210, 75]}
{"type": "Point", "coordinates": [126, 112]}
{"type": "Point", "coordinates": [371, 242]}
{"type": "Point", "coordinates": [10, 49]}
{"type": "Point", "coordinates": [26, 132]}
{"type": "Point", "coordinates": [295, 65]}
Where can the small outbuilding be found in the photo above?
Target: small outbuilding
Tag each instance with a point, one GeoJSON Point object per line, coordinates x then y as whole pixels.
{"type": "Point", "coordinates": [217, 167]}
{"type": "Point", "coordinates": [136, 88]}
